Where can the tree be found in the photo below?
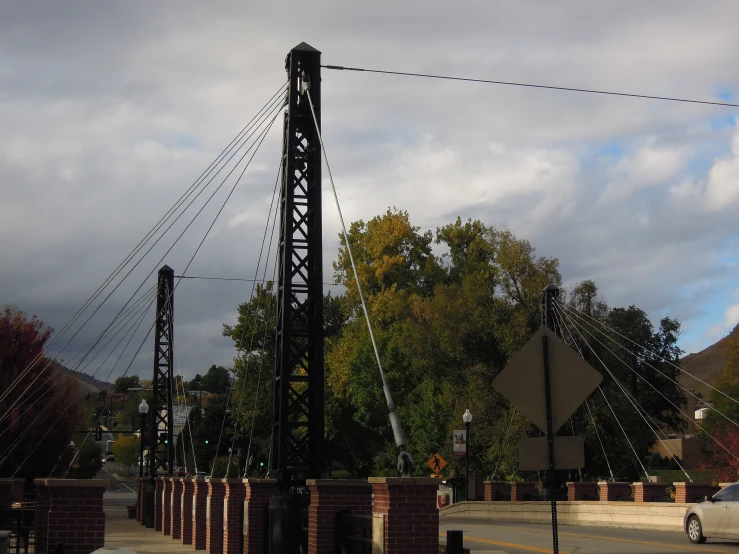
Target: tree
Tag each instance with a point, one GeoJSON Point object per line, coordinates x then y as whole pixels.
{"type": "Point", "coordinates": [122, 384]}
{"type": "Point", "coordinates": [44, 410]}
{"type": "Point", "coordinates": [127, 450]}
{"type": "Point", "coordinates": [88, 462]}
{"type": "Point", "coordinates": [217, 380]}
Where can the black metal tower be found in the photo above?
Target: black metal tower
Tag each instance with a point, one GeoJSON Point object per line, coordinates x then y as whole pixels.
{"type": "Point", "coordinates": [297, 438]}
{"type": "Point", "coordinates": [160, 463]}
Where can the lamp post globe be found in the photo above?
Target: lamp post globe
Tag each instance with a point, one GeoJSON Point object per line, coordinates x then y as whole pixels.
{"type": "Point", "coordinates": [467, 418]}
{"type": "Point", "coordinates": [143, 407]}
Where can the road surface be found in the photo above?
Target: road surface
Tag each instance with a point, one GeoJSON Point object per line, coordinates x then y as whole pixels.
{"type": "Point", "coordinates": [514, 538]}
{"type": "Point", "coordinates": [117, 478]}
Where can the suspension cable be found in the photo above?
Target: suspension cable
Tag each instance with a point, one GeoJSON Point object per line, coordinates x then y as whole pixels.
{"type": "Point", "coordinates": [613, 413]}
{"type": "Point", "coordinates": [394, 421]}
{"type": "Point", "coordinates": [583, 321]}
{"type": "Point", "coordinates": [660, 358]}
{"type": "Point", "coordinates": [251, 296]}
{"type": "Point", "coordinates": [505, 442]}
{"type": "Point", "coordinates": [136, 249]}
{"type": "Point", "coordinates": [653, 387]}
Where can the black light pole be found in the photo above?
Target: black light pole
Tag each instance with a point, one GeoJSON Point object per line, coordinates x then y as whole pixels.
{"type": "Point", "coordinates": [467, 418]}
{"type": "Point", "coordinates": [143, 410]}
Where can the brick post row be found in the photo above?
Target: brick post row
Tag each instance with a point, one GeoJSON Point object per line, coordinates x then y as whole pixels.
{"type": "Point", "coordinates": [214, 516]}
{"type": "Point", "coordinates": [199, 516]}
{"type": "Point", "coordinates": [186, 502]}
{"type": "Point", "coordinates": [258, 493]}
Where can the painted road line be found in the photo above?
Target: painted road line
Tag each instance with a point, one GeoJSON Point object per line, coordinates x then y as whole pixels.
{"type": "Point", "coordinates": [510, 545]}
{"type": "Point", "coordinates": [118, 479]}
{"type": "Point", "coordinates": [634, 541]}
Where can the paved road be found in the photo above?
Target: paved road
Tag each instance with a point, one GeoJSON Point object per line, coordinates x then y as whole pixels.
{"type": "Point", "coordinates": [117, 478]}
{"type": "Point", "coordinates": [489, 537]}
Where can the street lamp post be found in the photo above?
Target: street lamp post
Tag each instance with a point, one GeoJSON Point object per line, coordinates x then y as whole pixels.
{"type": "Point", "coordinates": [467, 418]}
{"type": "Point", "coordinates": [143, 410]}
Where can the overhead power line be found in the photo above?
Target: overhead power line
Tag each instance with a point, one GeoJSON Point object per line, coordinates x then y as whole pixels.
{"type": "Point", "coordinates": [532, 85]}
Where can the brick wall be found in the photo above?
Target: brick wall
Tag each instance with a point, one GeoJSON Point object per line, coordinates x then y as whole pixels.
{"type": "Point", "coordinates": [411, 518]}
{"type": "Point", "coordinates": [176, 511]}
{"type": "Point", "coordinates": [258, 493]}
{"type": "Point", "coordinates": [650, 492]}
{"type": "Point", "coordinates": [612, 491]}
{"type": "Point", "coordinates": [75, 515]}
{"type": "Point", "coordinates": [233, 516]}
{"type": "Point", "coordinates": [199, 508]}
{"type": "Point", "coordinates": [496, 490]}
{"type": "Point", "coordinates": [6, 491]}
{"type": "Point", "coordinates": [158, 506]}
{"type": "Point", "coordinates": [214, 516]}
{"type": "Point", "coordinates": [41, 517]}
{"type": "Point", "coordinates": [582, 491]}
{"type": "Point", "coordinates": [523, 491]}
{"type": "Point", "coordinates": [693, 492]}
{"type": "Point", "coordinates": [167, 506]}
{"type": "Point", "coordinates": [327, 498]}
{"type": "Point", "coordinates": [188, 491]}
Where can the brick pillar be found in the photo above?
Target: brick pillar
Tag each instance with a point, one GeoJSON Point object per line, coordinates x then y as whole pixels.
{"type": "Point", "coordinates": [158, 506]}
{"type": "Point", "coordinates": [649, 492]}
{"type": "Point", "coordinates": [41, 517]}
{"type": "Point", "coordinates": [76, 518]}
{"type": "Point", "coordinates": [167, 506]}
{"type": "Point", "coordinates": [6, 491]}
{"type": "Point", "coordinates": [327, 498]}
{"type": "Point", "coordinates": [523, 491]}
{"type": "Point", "coordinates": [214, 516]}
{"type": "Point", "coordinates": [233, 516]}
{"type": "Point", "coordinates": [496, 490]}
{"type": "Point", "coordinates": [188, 491]}
{"type": "Point", "coordinates": [258, 493]}
{"type": "Point", "coordinates": [199, 509]}
{"type": "Point", "coordinates": [611, 491]}
{"type": "Point", "coordinates": [582, 491]}
{"type": "Point", "coordinates": [176, 511]}
{"type": "Point", "coordinates": [687, 493]}
{"type": "Point", "coordinates": [411, 518]}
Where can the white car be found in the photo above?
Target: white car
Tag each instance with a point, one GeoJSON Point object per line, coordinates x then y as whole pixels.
{"type": "Point", "coordinates": [716, 517]}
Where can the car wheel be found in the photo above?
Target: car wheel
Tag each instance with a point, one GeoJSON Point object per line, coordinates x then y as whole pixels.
{"type": "Point", "coordinates": [695, 531]}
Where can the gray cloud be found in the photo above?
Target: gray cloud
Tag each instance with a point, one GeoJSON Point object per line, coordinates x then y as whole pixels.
{"type": "Point", "coordinates": [111, 111]}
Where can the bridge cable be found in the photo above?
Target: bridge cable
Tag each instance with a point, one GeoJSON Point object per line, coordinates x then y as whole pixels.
{"type": "Point", "coordinates": [655, 389]}
{"type": "Point", "coordinates": [505, 442]}
{"type": "Point", "coordinates": [613, 413]}
{"type": "Point", "coordinates": [531, 85]}
{"type": "Point", "coordinates": [58, 394]}
{"type": "Point", "coordinates": [171, 247]}
{"type": "Point", "coordinates": [582, 320]}
{"type": "Point", "coordinates": [640, 409]}
{"type": "Point", "coordinates": [394, 421]}
{"type": "Point", "coordinates": [563, 325]}
{"type": "Point", "coordinates": [255, 311]}
{"type": "Point", "coordinates": [45, 390]}
{"type": "Point", "coordinates": [660, 358]}
{"type": "Point", "coordinates": [130, 256]}
{"type": "Point", "coordinates": [230, 391]}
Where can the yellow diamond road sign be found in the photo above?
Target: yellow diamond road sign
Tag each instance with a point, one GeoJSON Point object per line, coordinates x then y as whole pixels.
{"type": "Point", "coordinates": [436, 463]}
{"type": "Point", "coordinates": [571, 379]}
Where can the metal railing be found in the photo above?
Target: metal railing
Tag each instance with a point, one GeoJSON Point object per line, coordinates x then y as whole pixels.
{"type": "Point", "coordinates": [353, 533]}
{"type": "Point", "coordinates": [20, 524]}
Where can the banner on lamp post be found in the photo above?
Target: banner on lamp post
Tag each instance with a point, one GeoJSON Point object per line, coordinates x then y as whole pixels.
{"type": "Point", "coordinates": [460, 442]}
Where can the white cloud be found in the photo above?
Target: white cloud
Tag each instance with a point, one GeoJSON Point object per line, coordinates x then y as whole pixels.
{"type": "Point", "coordinates": [722, 189]}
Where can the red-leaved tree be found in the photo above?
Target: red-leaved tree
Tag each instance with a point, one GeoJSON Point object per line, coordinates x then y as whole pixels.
{"type": "Point", "coordinates": [42, 410]}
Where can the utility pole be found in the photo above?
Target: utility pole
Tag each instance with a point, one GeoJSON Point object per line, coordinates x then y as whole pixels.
{"type": "Point", "coordinates": [160, 425]}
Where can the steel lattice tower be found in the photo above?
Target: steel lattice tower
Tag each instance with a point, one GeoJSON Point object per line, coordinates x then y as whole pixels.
{"type": "Point", "coordinates": [298, 434]}
{"type": "Point", "coordinates": [162, 383]}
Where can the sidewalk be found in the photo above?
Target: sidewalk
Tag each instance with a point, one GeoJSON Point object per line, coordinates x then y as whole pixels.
{"type": "Point", "coordinates": [122, 532]}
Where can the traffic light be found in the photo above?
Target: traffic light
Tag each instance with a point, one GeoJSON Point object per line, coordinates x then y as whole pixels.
{"type": "Point", "coordinates": [206, 441]}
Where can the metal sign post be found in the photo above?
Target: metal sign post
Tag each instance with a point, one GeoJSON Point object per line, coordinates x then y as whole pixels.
{"type": "Point", "coordinates": [552, 475]}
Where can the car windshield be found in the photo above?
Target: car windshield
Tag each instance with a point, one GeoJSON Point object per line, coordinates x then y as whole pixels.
{"type": "Point", "coordinates": [729, 494]}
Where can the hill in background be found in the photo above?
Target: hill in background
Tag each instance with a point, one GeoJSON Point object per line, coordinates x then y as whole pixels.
{"type": "Point", "coordinates": [88, 383]}
{"type": "Point", "coordinates": [707, 365]}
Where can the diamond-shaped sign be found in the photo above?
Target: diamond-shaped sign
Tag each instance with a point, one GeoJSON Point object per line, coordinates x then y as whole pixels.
{"type": "Point", "coordinates": [571, 380]}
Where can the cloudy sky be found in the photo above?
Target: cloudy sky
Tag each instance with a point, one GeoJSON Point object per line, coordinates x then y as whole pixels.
{"type": "Point", "coordinates": [111, 110]}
